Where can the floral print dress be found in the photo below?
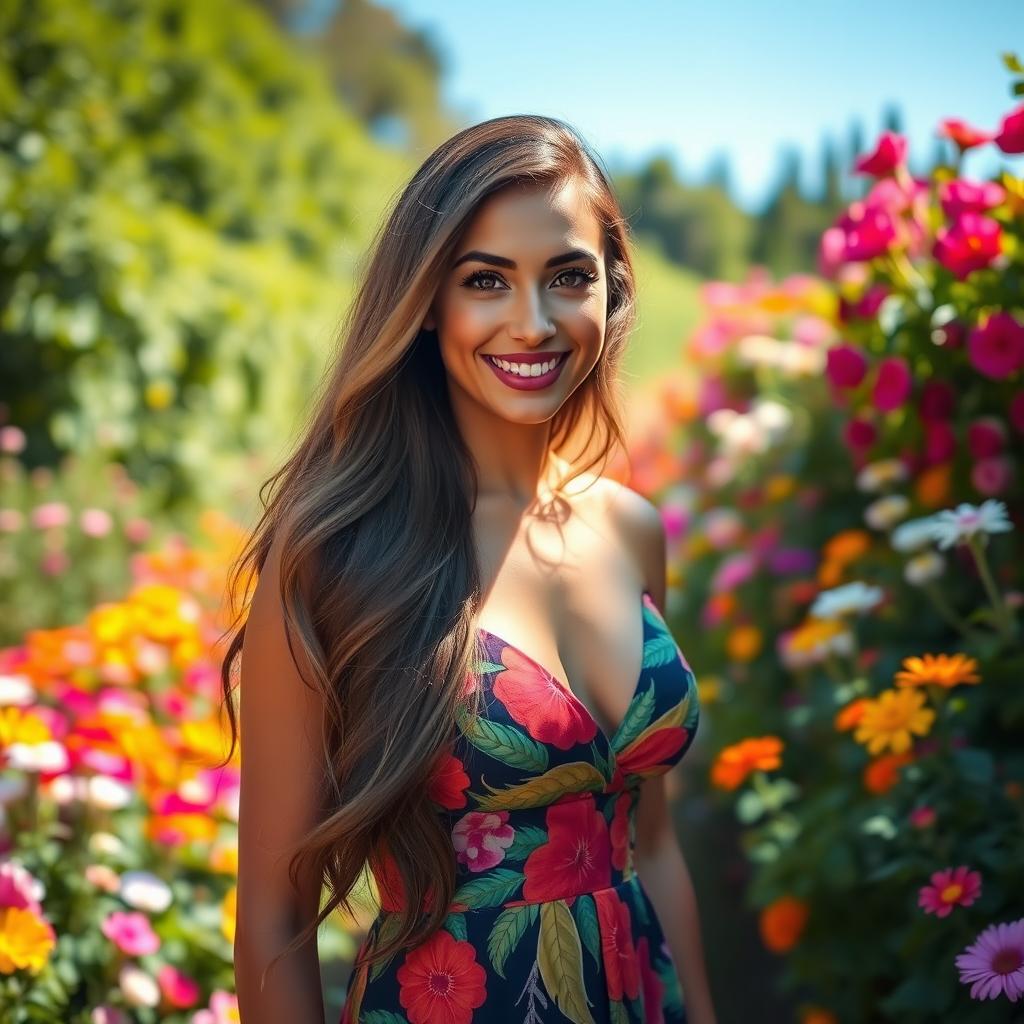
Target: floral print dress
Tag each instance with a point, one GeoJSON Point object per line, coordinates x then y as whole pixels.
{"type": "Point", "coordinates": [550, 922]}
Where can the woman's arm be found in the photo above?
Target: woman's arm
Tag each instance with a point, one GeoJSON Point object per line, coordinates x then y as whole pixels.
{"type": "Point", "coordinates": [658, 857]}
{"type": "Point", "coordinates": [279, 732]}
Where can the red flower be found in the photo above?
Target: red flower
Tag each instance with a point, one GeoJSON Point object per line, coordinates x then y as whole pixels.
{"type": "Point", "coordinates": [845, 366]}
{"type": "Point", "coordinates": [449, 782]}
{"type": "Point", "coordinates": [996, 348]}
{"type": "Point", "coordinates": [577, 856]}
{"type": "Point", "coordinates": [964, 135]}
{"type": "Point", "coordinates": [440, 982]}
{"type": "Point", "coordinates": [892, 384]}
{"type": "Point", "coordinates": [656, 750]}
{"type": "Point", "coordinates": [619, 829]}
{"type": "Point", "coordinates": [654, 990]}
{"type": "Point", "coordinates": [539, 702]}
{"type": "Point", "coordinates": [960, 196]}
{"type": "Point", "coordinates": [970, 243]}
{"type": "Point", "coordinates": [617, 950]}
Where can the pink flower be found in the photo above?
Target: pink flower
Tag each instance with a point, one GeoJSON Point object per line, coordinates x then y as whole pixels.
{"type": "Point", "coordinates": [937, 400]}
{"type": "Point", "coordinates": [1010, 137]}
{"type": "Point", "coordinates": [864, 233]}
{"type": "Point", "coordinates": [95, 522]}
{"type": "Point", "coordinates": [179, 989]}
{"type": "Point", "coordinates": [480, 839]}
{"type": "Point", "coordinates": [859, 434]}
{"type": "Point", "coordinates": [970, 243]}
{"type": "Point", "coordinates": [131, 932]}
{"type": "Point", "coordinates": [994, 963]}
{"type": "Point", "coordinates": [992, 476]}
{"type": "Point", "coordinates": [890, 152]}
{"type": "Point", "coordinates": [964, 135]}
{"type": "Point", "coordinates": [845, 366]}
{"type": "Point", "coordinates": [866, 306]}
{"type": "Point", "coordinates": [949, 888]}
{"type": "Point", "coordinates": [986, 436]}
{"type": "Point", "coordinates": [961, 196]}
{"type": "Point", "coordinates": [892, 384]}
{"type": "Point", "coordinates": [922, 817]}
{"type": "Point", "coordinates": [939, 441]}
{"type": "Point", "coordinates": [49, 515]}
{"type": "Point", "coordinates": [20, 888]}
{"type": "Point", "coordinates": [996, 348]}
{"type": "Point", "coordinates": [733, 571]}
{"type": "Point", "coordinates": [223, 1010]}
{"type": "Point", "coordinates": [137, 530]}
{"type": "Point", "coordinates": [12, 440]}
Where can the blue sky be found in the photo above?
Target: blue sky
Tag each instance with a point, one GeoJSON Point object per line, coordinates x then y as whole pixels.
{"type": "Point", "coordinates": [741, 77]}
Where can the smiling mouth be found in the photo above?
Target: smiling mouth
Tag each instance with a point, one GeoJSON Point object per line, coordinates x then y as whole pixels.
{"type": "Point", "coordinates": [534, 371]}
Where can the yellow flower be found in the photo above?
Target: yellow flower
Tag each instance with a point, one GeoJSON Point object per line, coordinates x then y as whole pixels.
{"type": "Point", "coordinates": [779, 487]}
{"type": "Point", "coordinates": [17, 726]}
{"type": "Point", "coordinates": [743, 643]}
{"type": "Point", "coordinates": [26, 940]}
{"type": "Point", "coordinates": [890, 720]}
{"type": "Point", "coordinates": [945, 670]}
{"type": "Point", "coordinates": [227, 914]}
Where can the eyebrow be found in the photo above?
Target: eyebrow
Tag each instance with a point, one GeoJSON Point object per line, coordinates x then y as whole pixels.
{"type": "Point", "coordinates": [503, 261]}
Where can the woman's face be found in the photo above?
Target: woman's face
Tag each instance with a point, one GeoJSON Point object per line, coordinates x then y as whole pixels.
{"type": "Point", "coordinates": [520, 313]}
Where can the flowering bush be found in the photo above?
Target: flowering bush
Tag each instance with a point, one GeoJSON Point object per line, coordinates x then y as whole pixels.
{"type": "Point", "coordinates": [118, 845]}
{"type": "Point", "coordinates": [846, 550]}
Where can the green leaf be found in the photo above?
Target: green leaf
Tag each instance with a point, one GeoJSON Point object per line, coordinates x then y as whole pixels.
{"type": "Point", "coordinates": [509, 927]}
{"type": "Point", "coordinates": [507, 744]}
{"type": "Point", "coordinates": [585, 913]}
{"type": "Point", "coordinates": [491, 889]}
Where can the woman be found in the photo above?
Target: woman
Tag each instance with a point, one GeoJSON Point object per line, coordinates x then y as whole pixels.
{"type": "Point", "coordinates": [455, 667]}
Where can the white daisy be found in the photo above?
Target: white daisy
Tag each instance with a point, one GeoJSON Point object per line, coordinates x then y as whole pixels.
{"type": "Point", "coordinates": [956, 526]}
{"type": "Point", "coordinates": [912, 535]}
{"type": "Point", "coordinates": [845, 600]}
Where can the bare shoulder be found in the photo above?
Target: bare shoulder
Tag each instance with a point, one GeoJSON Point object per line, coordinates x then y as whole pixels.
{"type": "Point", "coordinates": [638, 525]}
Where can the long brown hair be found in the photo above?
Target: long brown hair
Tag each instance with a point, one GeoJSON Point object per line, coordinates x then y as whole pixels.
{"type": "Point", "coordinates": [374, 512]}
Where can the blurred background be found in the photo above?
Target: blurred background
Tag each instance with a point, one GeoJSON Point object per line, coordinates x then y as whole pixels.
{"type": "Point", "coordinates": [825, 401]}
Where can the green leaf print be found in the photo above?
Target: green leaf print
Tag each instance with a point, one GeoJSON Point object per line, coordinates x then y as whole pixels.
{"type": "Point", "coordinates": [638, 717]}
{"type": "Point", "coordinates": [455, 925]}
{"type": "Point", "coordinates": [507, 744]}
{"type": "Point", "coordinates": [381, 1017]}
{"type": "Point", "coordinates": [638, 1005]}
{"type": "Point", "coordinates": [586, 922]}
{"type": "Point", "coordinates": [528, 838]}
{"type": "Point", "coordinates": [640, 905]}
{"type": "Point", "coordinates": [487, 668]}
{"type": "Point", "coordinates": [599, 762]}
{"type": "Point", "coordinates": [660, 650]}
{"type": "Point", "coordinates": [509, 927]}
{"type": "Point", "coordinates": [491, 889]}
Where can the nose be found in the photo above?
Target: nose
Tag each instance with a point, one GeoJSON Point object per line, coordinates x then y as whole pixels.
{"type": "Point", "coordinates": [531, 324]}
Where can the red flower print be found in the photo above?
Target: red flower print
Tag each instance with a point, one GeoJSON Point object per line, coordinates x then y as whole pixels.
{"type": "Point", "coordinates": [619, 830]}
{"type": "Point", "coordinates": [389, 882]}
{"type": "Point", "coordinates": [448, 783]}
{"type": "Point", "coordinates": [538, 701]}
{"type": "Point", "coordinates": [440, 981]}
{"type": "Point", "coordinates": [657, 749]}
{"type": "Point", "coordinates": [617, 949]}
{"type": "Point", "coordinates": [577, 856]}
{"type": "Point", "coordinates": [654, 991]}
{"type": "Point", "coordinates": [480, 839]}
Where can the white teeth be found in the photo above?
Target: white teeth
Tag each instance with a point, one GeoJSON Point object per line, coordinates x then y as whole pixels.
{"type": "Point", "coordinates": [525, 369]}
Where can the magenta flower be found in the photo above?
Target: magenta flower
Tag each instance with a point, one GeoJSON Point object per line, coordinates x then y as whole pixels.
{"type": "Point", "coordinates": [480, 839]}
{"type": "Point", "coordinates": [937, 400]}
{"type": "Point", "coordinates": [962, 196]}
{"type": "Point", "coordinates": [180, 990]}
{"type": "Point", "coordinates": [859, 434]}
{"type": "Point", "coordinates": [1010, 137]}
{"type": "Point", "coordinates": [131, 932]}
{"type": "Point", "coordinates": [865, 232]}
{"type": "Point", "coordinates": [986, 436]}
{"type": "Point", "coordinates": [971, 242]}
{"type": "Point", "coordinates": [922, 817]}
{"type": "Point", "coordinates": [890, 152]}
{"type": "Point", "coordinates": [994, 963]}
{"type": "Point", "coordinates": [949, 888]}
{"type": "Point", "coordinates": [892, 384]}
{"type": "Point", "coordinates": [845, 366]}
{"type": "Point", "coordinates": [996, 348]}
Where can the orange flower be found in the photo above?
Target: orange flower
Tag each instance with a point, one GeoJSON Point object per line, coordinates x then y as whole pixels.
{"type": "Point", "coordinates": [945, 670]}
{"type": "Point", "coordinates": [743, 643]}
{"type": "Point", "coordinates": [735, 763]}
{"type": "Point", "coordinates": [781, 923]}
{"type": "Point", "coordinates": [932, 486]}
{"type": "Point", "coordinates": [849, 717]}
{"type": "Point", "coordinates": [816, 1015]}
{"type": "Point", "coordinates": [830, 574]}
{"type": "Point", "coordinates": [882, 773]}
{"type": "Point", "coordinates": [26, 940]}
{"type": "Point", "coordinates": [847, 546]}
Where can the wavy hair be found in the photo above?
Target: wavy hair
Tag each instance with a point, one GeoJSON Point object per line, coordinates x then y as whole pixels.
{"type": "Point", "coordinates": [373, 511]}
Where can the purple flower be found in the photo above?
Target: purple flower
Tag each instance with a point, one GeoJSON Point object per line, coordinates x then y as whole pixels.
{"type": "Point", "coordinates": [994, 963]}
